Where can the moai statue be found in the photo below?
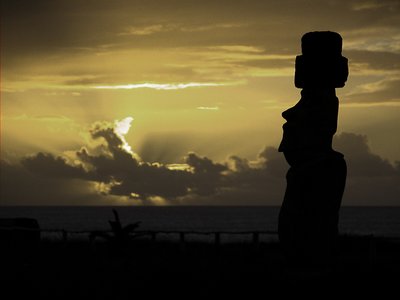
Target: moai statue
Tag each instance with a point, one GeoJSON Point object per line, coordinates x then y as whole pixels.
{"type": "Point", "coordinates": [308, 218]}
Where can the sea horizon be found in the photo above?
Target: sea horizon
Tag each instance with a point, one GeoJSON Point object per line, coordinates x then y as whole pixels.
{"type": "Point", "coordinates": [361, 220]}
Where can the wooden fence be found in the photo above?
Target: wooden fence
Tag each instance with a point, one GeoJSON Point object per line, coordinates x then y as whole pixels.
{"type": "Point", "coordinates": [181, 236]}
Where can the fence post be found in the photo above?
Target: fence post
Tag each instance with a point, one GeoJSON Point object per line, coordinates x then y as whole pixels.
{"type": "Point", "coordinates": [217, 242]}
{"type": "Point", "coordinates": [65, 236]}
{"type": "Point", "coordinates": [182, 241]}
{"type": "Point", "coordinates": [372, 250]}
{"type": "Point", "coordinates": [153, 236]}
{"type": "Point", "coordinates": [217, 239]}
{"type": "Point", "coordinates": [256, 241]}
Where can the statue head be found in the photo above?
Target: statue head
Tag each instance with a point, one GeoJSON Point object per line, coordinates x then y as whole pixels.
{"type": "Point", "coordinates": [321, 64]}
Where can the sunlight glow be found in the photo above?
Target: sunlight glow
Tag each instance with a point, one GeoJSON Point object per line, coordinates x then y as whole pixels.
{"type": "Point", "coordinates": [121, 128]}
{"type": "Point", "coordinates": [158, 86]}
{"type": "Point", "coordinates": [208, 107]}
{"type": "Point", "coordinates": [178, 167]}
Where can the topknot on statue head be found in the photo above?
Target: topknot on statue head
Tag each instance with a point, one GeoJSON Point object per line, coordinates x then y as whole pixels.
{"type": "Point", "coordinates": [321, 64]}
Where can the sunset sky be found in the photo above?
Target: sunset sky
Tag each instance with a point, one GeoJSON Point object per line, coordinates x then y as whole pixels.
{"type": "Point", "coordinates": [179, 102]}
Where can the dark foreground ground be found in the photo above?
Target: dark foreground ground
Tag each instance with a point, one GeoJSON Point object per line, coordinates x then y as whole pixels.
{"type": "Point", "coordinates": [168, 269]}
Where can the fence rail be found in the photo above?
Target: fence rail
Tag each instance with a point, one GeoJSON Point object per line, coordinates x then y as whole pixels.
{"type": "Point", "coordinates": [181, 234]}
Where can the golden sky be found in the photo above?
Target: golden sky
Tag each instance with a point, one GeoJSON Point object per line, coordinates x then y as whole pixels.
{"type": "Point", "coordinates": [197, 84]}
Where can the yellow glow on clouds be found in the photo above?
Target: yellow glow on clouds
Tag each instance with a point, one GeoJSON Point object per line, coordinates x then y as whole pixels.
{"type": "Point", "coordinates": [208, 108]}
{"type": "Point", "coordinates": [159, 86]}
{"type": "Point", "coordinates": [121, 128]}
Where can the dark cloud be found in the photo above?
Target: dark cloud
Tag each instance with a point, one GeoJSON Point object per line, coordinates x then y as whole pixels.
{"type": "Point", "coordinates": [116, 172]}
{"type": "Point", "coordinates": [204, 165]}
{"type": "Point", "coordinates": [121, 173]}
{"type": "Point", "coordinates": [207, 175]}
{"type": "Point", "coordinates": [257, 182]}
{"type": "Point", "coordinates": [256, 174]}
{"type": "Point", "coordinates": [361, 161]}
{"type": "Point", "coordinates": [20, 186]}
{"type": "Point", "coordinates": [371, 179]}
{"type": "Point", "coordinates": [273, 161]}
{"type": "Point", "coordinates": [48, 165]}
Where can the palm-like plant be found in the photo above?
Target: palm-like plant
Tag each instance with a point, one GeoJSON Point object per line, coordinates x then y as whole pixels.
{"type": "Point", "coordinates": [119, 235]}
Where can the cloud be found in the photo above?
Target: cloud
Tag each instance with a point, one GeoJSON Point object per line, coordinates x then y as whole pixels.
{"type": "Point", "coordinates": [371, 179]}
{"type": "Point", "coordinates": [159, 86]}
{"type": "Point", "coordinates": [146, 30]}
{"type": "Point", "coordinates": [375, 60]}
{"type": "Point", "coordinates": [381, 91]}
{"type": "Point", "coordinates": [207, 175]}
{"type": "Point", "coordinates": [120, 172]}
{"type": "Point", "coordinates": [160, 28]}
{"type": "Point", "coordinates": [20, 186]}
{"type": "Point", "coordinates": [77, 24]}
{"type": "Point", "coordinates": [207, 107]}
{"type": "Point", "coordinates": [373, 5]}
{"type": "Point", "coordinates": [361, 161]}
{"type": "Point", "coordinates": [114, 171]}
{"type": "Point", "coordinates": [107, 170]}
{"type": "Point", "coordinates": [212, 40]}
{"type": "Point", "coordinates": [48, 165]}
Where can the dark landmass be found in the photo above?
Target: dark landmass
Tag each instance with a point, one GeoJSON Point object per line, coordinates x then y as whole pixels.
{"type": "Point", "coordinates": [141, 267]}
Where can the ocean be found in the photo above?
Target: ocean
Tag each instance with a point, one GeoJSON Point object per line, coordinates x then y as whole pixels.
{"type": "Point", "coordinates": [377, 221]}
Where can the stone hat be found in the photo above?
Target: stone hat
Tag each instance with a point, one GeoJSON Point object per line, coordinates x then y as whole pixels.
{"type": "Point", "coordinates": [321, 64]}
{"type": "Point", "coordinates": [324, 43]}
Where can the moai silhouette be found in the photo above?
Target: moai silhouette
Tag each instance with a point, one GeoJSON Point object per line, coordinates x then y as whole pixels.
{"type": "Point", "coordinates": [308, 218]}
